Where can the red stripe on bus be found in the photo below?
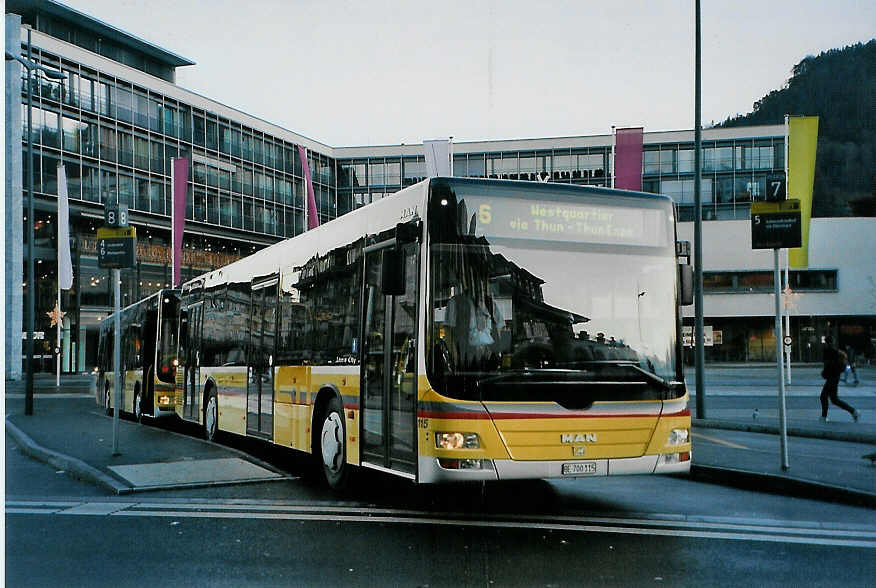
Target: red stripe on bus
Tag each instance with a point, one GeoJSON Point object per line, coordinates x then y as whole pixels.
{"type": "Point", "coordinates": [524, 415]}
{"type": "Point", "coordinates": [683, 413]}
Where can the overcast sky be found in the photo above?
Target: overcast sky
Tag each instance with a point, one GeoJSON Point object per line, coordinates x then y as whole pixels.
{"type": "Point", "coordinates": [373, 72]}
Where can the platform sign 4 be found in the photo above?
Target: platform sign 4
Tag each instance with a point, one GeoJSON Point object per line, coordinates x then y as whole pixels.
{"type": "Point", "coordinates": [116, 247]}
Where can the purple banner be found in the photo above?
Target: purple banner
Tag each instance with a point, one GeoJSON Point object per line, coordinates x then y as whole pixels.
{"type": "Point", "coordinates": [628, 158]}
{"type": "Point", "coordinates": [179, 179]}
{"type": "Point", "coordinates": [312, 216]}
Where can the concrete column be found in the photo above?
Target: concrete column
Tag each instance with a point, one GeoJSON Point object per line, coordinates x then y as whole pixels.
{"type": "Point", "coordinates": [81, 349]}
{"type": "Point", "coordinates": [14, 240]}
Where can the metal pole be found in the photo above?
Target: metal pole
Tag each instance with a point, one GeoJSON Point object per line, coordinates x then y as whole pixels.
{"type": "Point", "coordinates": [783, 424]}
{"type": "Point", "coordinates": [58, 337]}
{"type": "Point", "coordinates": [31, 284]}
{"type": "Point", "coordinates": [117, 359]}
{"type": "Point", "coordinates": [787, 314]}
{"type": "Point", "coordinates": [788, 258]}
{"type": "Point", "coordinates": [613, 155]}
{"type": "Point", "coordinates": [698, 229]}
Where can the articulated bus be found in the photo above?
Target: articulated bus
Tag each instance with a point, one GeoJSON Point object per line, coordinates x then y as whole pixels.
{"type": "Point", "coordinates": [458, 330]}
{"type": "Point", "coordinates": [148, 357]}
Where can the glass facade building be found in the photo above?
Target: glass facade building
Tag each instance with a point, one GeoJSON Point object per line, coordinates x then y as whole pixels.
{"type": "Point", "coordinates": [118, 119]}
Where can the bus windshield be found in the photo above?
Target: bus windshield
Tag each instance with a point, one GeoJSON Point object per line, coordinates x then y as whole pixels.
{"type": "Point", "coordinates": [540, 291]}
{"type": "Point", "coordinates": [167, 347]}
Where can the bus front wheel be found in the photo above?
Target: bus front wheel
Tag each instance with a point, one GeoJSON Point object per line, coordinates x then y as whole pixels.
{"type": "Point", "coordinates": [332, 446]}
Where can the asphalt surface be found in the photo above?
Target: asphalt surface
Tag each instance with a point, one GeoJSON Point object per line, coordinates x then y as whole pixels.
{"type": "Point", "coordinates": [738, 444]}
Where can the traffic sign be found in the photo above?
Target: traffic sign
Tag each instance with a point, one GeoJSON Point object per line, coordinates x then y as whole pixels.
{"type": "Point", "coordinates": [776, 225]}
{"type": "Point", "coordinates": [787, 341]}
{"type": "Point", "coordinates": [116, 247]}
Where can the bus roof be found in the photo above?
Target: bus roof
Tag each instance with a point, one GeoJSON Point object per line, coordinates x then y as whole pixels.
{"type": "Point", "coordinates": [409, 203]}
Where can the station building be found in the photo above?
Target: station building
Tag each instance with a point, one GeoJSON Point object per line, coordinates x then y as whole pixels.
{"type": "Point", "coordinates": [118, 118]}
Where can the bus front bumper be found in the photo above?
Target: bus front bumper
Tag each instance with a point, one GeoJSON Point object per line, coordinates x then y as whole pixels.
{"type": "Point", "coordinates": [435, 471]}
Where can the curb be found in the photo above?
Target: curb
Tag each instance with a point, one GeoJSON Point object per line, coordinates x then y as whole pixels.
{"type": "Point", "coordinates": [778, 484]}
{"type": "Point", "coordinates": [847, 436]}
{"type": "Point", "coordinates": [78, 468]}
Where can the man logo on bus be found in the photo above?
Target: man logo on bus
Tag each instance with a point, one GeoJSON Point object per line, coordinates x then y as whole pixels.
{"type": "Point", "coordinates": [578, 438]}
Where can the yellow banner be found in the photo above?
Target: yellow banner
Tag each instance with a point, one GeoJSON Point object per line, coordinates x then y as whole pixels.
{"type": "Point", "coordinates": [802, 143]}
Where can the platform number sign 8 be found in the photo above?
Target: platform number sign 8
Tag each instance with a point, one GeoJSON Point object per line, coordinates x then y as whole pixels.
{"type": "Point", "coordinates": [116, 216]}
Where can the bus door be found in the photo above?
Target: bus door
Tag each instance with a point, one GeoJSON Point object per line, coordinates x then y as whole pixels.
{"type": "Point", "coordinates": [192, 318]}
{"type": "Point", "coordinates": [260, 358]}
{"type": "Point", "coordinates": [388, 374]}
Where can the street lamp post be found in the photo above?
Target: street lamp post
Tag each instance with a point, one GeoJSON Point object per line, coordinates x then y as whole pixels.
{"type": "Point", "coordinates": [30, 284]}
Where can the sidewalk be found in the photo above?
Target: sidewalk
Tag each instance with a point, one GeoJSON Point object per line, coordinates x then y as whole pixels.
{"type": "Point", "coordinates": [738, 441]}
{"type": "Point", "coordinates": [74, 435]}
{"type": "Point", "coordinates": [730, 447]}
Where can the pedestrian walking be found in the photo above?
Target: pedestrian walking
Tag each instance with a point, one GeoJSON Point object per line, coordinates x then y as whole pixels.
{"type": "Point", "coordinates": [850, 366]}
{"type": "Point", "coordinates": [834, 366]}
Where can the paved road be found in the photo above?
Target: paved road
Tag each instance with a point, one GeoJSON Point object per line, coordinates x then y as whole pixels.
{"type": "Point", "coordinates": [602, 531]}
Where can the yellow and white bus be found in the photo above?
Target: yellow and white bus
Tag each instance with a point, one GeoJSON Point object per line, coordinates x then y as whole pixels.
{"type": "Point", "coordinates": [148, 357]}
{"type": "Point", "coordinates": [458, 330]}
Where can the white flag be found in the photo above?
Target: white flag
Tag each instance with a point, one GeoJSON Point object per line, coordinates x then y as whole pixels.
{"type": "Point", "coordinates": [437, 157]}
{"type": "Point", "coordinates": [65, 265]}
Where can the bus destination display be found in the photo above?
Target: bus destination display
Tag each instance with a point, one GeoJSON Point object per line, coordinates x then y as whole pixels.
{"type": "Point", "coordinates": [580, 223]}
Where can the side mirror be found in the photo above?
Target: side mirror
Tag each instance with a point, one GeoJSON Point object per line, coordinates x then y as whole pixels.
{"type": "Point", "coordinates": [686, 285]}
{"type": "Point", "coordinates": [392, 272]}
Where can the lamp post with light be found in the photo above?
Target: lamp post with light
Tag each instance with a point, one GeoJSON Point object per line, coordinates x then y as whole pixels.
{"type": "Point", "coordinates": [52, 74]}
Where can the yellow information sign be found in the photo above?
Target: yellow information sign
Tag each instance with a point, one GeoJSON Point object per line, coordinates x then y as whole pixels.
{"type": "Point", "coordinates": [116, 233]}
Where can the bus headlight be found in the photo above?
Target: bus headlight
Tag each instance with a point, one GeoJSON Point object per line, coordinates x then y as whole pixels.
{"type": "Point", "coordinates": [678, 437]}
{"type": "Point", "coordinates": [457, 441]}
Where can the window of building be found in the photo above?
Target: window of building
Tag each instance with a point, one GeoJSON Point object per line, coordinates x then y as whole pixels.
{"type": "Point", "coordinates": [212, 135]}
{"type": "Point", "coordinates": [126, 148]}
{"type": "Point", "coordinates": [124, 104]}
{"type": "Point", "coordinates": [686, 161]}
{"type": "Point", "coordinates": [762, 281]}
{"type": "Point", "coordinates": [155, 114]}
{"type": "Point", "coordinates": [86, 93]}
{"type": "Point", "coordinates": [667, 162]}
{"type": "Point", "coordinates": [376, 176]}
{"type": "Point", "coordinates": [650, 162]}
{"type": "Point", "coordinates": [415, 169]}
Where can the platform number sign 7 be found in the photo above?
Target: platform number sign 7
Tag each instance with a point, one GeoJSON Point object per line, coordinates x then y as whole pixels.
{"type": "Point", "coordinates": [775, 188]}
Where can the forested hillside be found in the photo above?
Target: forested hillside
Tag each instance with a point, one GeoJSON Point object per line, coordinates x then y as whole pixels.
{"type": "Point", "coordinates": [840, 87]}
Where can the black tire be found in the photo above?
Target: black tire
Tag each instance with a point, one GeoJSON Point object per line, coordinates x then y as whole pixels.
{"type": "Point", "coordinates": [211, 415]}
{"type": "Point", "coordinates": [330, 445]}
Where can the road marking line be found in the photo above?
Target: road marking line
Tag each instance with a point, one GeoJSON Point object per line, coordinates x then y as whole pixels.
{"type": "Point", "coordinates": [817, 535]}
{"type": "Point", "coordinates": [508, 524]}
{"type": "Point", "coordinates": [719, 441]}
{"type": "Point", "coordinates": [96, 508]}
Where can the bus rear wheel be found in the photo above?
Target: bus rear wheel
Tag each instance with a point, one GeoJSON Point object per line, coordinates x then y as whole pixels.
{"type": "Point", "coordinates": [332, 446]}
{"type": "Point", "coordinates": [138, 405]}
{"type": "Point", "coordinates": [211, 416]}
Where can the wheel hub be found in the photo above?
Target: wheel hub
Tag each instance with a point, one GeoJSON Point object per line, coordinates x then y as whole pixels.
{"type": "Point", "coordinates": [211, 415]}
{"type": "Point", "coordinates": [332, 442]}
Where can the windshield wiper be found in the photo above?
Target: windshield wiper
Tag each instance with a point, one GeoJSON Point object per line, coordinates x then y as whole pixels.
{"type": "Point", "coordinates": [526, 373]}
{"type": "Point", "coordinates": [654, 378]}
